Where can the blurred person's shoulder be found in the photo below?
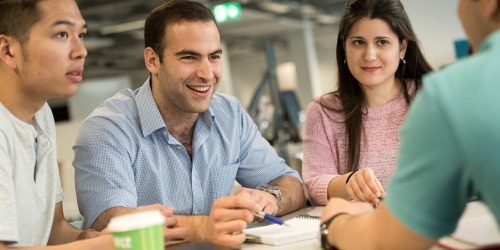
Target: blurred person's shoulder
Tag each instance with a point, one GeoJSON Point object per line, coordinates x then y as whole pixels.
{"type": "Point", "coordinates": [473, 74]}
{"type": "Point", "coordinates": [467, 77]}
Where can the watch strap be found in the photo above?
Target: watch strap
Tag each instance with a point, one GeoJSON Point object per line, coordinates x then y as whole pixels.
{"type": "Point", "coordinates": [324, 232]}
{"type": "Point", "coordinates": [274, 191]}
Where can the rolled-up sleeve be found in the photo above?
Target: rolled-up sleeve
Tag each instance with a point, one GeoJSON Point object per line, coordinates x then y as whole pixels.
{"type": "Point", "coordinates": [104, 175]}
{"type": "Point", "coordinates": [259, 163]}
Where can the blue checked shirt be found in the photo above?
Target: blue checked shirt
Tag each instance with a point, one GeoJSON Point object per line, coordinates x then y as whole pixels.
{"type": "Point", "coordinates": [124, 156]}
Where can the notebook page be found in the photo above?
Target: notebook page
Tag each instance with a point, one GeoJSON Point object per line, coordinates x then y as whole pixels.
{"type": "Point", "coordinates": [302, 227]}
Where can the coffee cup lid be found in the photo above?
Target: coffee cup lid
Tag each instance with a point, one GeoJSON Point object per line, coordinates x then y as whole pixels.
{"type": "Point", "coordinates": [136, 221]}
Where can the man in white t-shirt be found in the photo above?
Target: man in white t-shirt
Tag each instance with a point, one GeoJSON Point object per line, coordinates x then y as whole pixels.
{"type": "Point", "coordinates": [41, 57]}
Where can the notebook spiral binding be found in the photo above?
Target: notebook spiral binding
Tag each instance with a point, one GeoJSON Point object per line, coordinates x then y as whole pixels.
{"type": "Point", "coordinates": [308, 217]}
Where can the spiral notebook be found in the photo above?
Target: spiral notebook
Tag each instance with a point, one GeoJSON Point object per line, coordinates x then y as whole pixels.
{"type": "Point", "coordinates": [302, 227]}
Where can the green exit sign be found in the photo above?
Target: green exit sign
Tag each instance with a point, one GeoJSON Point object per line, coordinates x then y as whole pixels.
{"type": "Point", "coordinates": [227, 11]}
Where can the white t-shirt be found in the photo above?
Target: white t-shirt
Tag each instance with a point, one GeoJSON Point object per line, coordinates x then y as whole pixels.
{"type": "Point", "coordinates": [28, 199]}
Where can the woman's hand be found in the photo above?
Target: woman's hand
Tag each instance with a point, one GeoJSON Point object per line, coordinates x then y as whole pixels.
{"type": "Point", "coordinates": [365, 187]}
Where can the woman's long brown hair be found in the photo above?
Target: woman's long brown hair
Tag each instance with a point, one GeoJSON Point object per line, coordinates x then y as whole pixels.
{"type": "Point", "coordinates": [349, 91]}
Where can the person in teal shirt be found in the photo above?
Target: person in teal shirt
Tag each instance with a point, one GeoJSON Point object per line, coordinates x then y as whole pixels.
{"type": "Point", "coordinates": [449, 152]}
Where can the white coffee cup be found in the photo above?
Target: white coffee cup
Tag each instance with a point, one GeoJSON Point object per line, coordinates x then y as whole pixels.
{"type": "Point", "coordinates": [138, 231]}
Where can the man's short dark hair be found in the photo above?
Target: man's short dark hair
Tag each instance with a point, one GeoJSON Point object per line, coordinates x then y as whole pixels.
{"type": "Point", "coordinates": [170, 13]}
{"type": "Point", "coordinates": [17, 17]}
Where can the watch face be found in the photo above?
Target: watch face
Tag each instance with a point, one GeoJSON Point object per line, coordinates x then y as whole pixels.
{"type": "Point", "coordinates": [324, 235]}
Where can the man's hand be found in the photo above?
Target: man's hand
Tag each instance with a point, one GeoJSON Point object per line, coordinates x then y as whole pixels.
{"type": "Point", "coordinates": [229, 217]}
{"type": "Point", "coordinates": [266, 201]}
{"type": "Point", "coordinates": [364, 186]}
{"type": "Point", "coordinates": [173, 232]}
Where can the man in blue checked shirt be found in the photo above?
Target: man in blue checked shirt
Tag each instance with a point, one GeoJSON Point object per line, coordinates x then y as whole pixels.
{"type": "Point", "coordinates": [176, 142]}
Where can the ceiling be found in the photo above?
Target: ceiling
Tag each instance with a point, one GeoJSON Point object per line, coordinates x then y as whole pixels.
{"type": "Point", "coordinates": [115, 49]}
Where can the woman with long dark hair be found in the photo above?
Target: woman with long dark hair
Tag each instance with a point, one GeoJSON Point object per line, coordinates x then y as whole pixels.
{"type": "Point", "coordinates": [351, 134]}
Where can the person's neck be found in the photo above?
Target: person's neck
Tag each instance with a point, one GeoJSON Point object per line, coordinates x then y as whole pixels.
{"type": "Point", "coordinates": [181, 127]}
{"type": "Point", "coordinates": [179, 123]}
{"type": "Point", "coordinates": [18, 102]}
{"type": "Point", "coordinates": [380, 95]}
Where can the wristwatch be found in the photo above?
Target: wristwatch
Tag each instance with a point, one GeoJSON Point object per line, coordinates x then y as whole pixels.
{"type": "Point", "coordinates": [323, 229]}
{"type": "Point", "coordinates": [274, 191]}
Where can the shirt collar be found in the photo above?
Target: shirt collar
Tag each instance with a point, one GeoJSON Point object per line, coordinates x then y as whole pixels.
{"type": "Point", "coordinates": [149, 114]}
{"type": "Point", "coordinates": [490, 41]}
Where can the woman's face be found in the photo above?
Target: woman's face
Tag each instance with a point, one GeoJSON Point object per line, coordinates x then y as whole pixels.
{"type": "Point", "coordinates": [373, 53]}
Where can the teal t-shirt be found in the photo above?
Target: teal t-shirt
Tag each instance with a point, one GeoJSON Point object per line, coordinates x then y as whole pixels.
{"type": "Point", "coordinates": [450, 145]}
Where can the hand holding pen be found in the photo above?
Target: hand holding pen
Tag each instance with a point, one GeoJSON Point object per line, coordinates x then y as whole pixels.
{"type": "Point", "coordinates": [381, 198]}
{"type": "Point", "coordinates": [270, 218]}
{"type": "Point", "coordinates": [364, 186]}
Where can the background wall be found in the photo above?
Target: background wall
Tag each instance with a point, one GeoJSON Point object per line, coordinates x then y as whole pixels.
{"type": "Point", "coordinates": [435, 23]}
{"type": "Point", "coordinates": [437, 26]}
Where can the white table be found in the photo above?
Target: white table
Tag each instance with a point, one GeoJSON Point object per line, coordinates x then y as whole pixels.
{"type": "Point", "coordinates": [473, 210]}
{"type": "Point", "coordinates": [476, 212]}
{"type": "Point", "coordinates": [476, 227]}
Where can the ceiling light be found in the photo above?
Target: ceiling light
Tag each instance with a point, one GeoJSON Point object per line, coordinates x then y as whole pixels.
{"type": "Point", "coordinates": [122, 27]}
{"type": "Point", "coordinates": [93, 43]}
{"type": "Point", "coordinates": [275, 7]}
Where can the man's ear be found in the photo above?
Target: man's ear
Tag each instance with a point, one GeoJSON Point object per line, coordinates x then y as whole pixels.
{"type": "Point", "coordinates": [152, 60]}
{"type": "Point", "coordinates": [491, 9]}
{"type": "Point", "coordinates": [7, 54]}
{"type": "Point", "coordinates": [496, 8]}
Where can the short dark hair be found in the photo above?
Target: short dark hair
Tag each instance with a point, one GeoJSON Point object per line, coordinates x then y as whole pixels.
{"type": "Point", "coordinates": [170, 13]}
{"type": "Point", "coordinates": [17, 17]}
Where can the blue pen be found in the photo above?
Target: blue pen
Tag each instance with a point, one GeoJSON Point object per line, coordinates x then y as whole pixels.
{"type": "Point", "coordinates": [270, 218]}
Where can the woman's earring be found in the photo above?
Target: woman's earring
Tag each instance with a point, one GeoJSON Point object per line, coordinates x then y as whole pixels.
{"type": "Point", "coordinates": [345, 61]}
{"type": "Point", "coordinates": [403, 60]}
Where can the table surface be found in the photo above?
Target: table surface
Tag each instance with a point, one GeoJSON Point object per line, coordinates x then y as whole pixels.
{"type": "Point", "coordinates": [473, 209]}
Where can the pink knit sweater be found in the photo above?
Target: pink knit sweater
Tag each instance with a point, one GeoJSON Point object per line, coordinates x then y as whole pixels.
{"type": "Point", "coordinates": [325, 141]}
